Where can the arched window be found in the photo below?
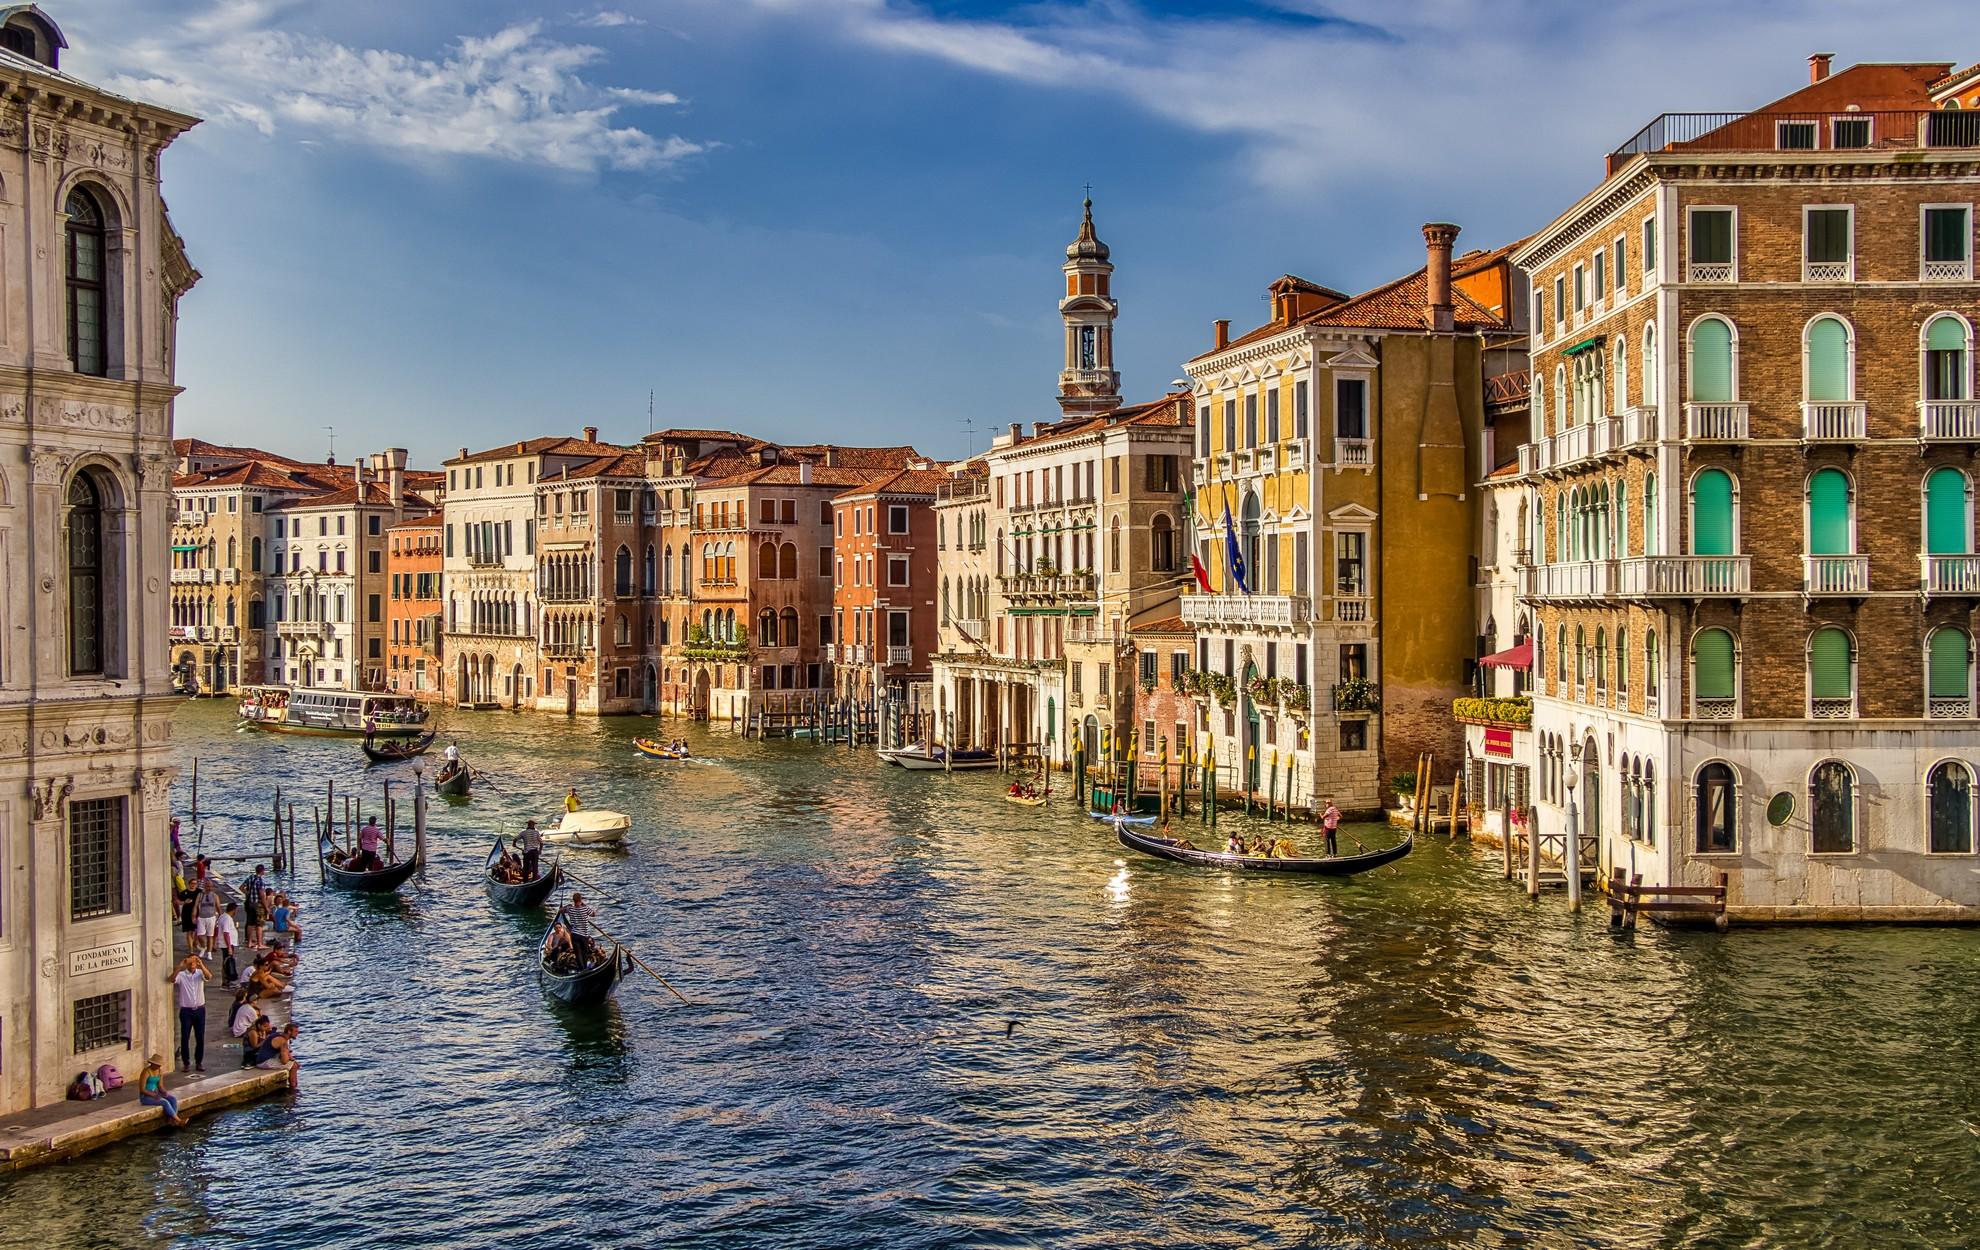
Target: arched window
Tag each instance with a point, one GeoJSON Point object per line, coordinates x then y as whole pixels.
{"type": "Point", "coordinates": [1714, 673]}
{"type": "Point", "coordinates": [1832, 808]}
{"type": "Point", "coordinates": [647, 577]}
{"type": "Point", "coordinates": [790, 622]}
{"type": "Point", "coordinates": [667, 571]}
{"type": "Point", "coordinates": [1622, 660]}
{"type": "Point", "coordinates": [1948, 516]}
{"type": "Point", "coordinates": [622, 632]}
{"type": "Point", "coordinates": [1560, 528]}
{"type": "Point", "coordinates": [1580, 657]}
{"type": "Point", "coordinates": [1648, 374]}
{"type": "Point", "coordinates": [729, 561]}
{"type": "Point", "coordinates": [1949, 673]}
{"type": "Point", "coordinates": [945, 601]}
{"type": "Point", "coordinates": [1718, 809]}
{"type": "Point", "coordinates": [1622, 375]}
{"type": "Point", "coordinates": [1948, 360]}
{"type": "Point", "coordinates": [87, 275]}
{"type": "Point", "coordinates": [1601, 659]}
{"type": "Point", "coordinates": [1712, 379]}
{"type": "Point", "coordinates": [1829, 375]}
{"type": "Point", "coordinates": [84, 525]}
{"type": "Point", "coordinates": [1652, 543]}
{"type": "Point", "coordinates": [766, 561]}
{"type": "Point", "coordinates": [1712, 513]}
{"type": "Point", "coordinates": [1539, 411]}
{"type": "Point", "coordinates": [1830, 532]}
{"type": "Point", "coordinates": [1591, 785]}
{"type": "Point", "coordinates": [1562, 417]}
{"type": "Point", "coordinates": [254, 556]}
{"type": "Point", "coordinates": [766, 629]}
{"type": "Point", "coordinates": [1561, 657]}
{"type": "Point", "coordinates": [1648, 817]}
{"type": "Point", "coordinates": [1831, 674]}
{"type": "Point", "coordinates": [622, 572]}
{"type": "Point", "coordinates": [1162, 545]}
{"type": "Point", "coordinates": [787, 561]}
{"type": "Point", "coordinates": [1620, 541]}
{"type": "Point", "coordinates": [1114, 551]}
{"type": "Point", "coordinates": [1949, 808]}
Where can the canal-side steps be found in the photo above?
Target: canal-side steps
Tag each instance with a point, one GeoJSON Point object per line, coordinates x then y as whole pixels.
{"type": "Point", "coordinates": [64, 1130]}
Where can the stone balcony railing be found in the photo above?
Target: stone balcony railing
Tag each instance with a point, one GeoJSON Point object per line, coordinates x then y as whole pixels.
{"type": "Point", "coordinates": [900, 655]}
{"type": "Point", "coordinates": [1716, 422]}
{"type": "Point", "coordinates": [1951, 575]}
{"type": "Point", "coordinates": [1246, 610]}
{"type": "Point", "coordinates": [1354, 453]}
{"type": "Point", "coordinates": [1685, 577]}
{"type": "Point", "coordinates": [301, 629]}
{"type": "Point", "coordinates": [1835, 421]}
{"type": "Point", "coordinates": [1836, 575]}
{"type": "Point", "coordinates": [1052, 585]}
{"type": "Point", "coordinates": [1350, 607]}
{"type": "Point", "coordinates": [1949, 420]}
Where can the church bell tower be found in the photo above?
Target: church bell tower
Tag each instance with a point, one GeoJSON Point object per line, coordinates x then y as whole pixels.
{"type": "Point", "coordinates": [1088, 385]}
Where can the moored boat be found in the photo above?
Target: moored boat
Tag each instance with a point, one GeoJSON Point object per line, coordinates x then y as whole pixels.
{"type": "Point", "coordinates": [397, 749]}
{"type": "Point", "coordinates": [1111, 818]}
{"type": "Point", "coordinates": [584, 974]}
{"type": "Point", "coordinates": [939, 759]}
{"type": "Point", "coordinates": [519, 893]}
{"type": "Point", "coordinates": [390, 877]}
{"type": "Point", "coordinates": [589, 828]}
{"type": "Point", "coordinates": [330, 713]}
{"type": "Point", "coordinates": [1181, 852]}
{"type": "Point", "coordinates": [452, 779]}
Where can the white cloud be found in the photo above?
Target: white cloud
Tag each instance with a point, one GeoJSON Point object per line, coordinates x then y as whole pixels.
{"type": "Point", "coordinates": [513, 95]}
{"type": "Point", "coordinates": [605, 19]}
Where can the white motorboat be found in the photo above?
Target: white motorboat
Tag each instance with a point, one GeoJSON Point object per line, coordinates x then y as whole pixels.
{"type": "Point", "coordinates": [589, 828]}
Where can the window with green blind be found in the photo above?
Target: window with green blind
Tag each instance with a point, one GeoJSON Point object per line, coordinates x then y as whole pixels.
{"type": "Point", "coordinates": [1650, 514]}
{"type": "Point", "coordinates": [1947, 234]}
{"type": "Point", "coordinates": [1712, 660]}
{"type": "Point", "coordinates": [1711, 236]}
{"type": "Point", "coordinates": [1828, 513]}
{"type": "Point", "coordinates": [1948, 663]}
{"type": "Point", "coordinates": [1946, 530]}
{"type": "Point", "coordinates": [1828, 360]}
{"type": "Point", "coordinates": [1828, 664]}
{"type": "Point", "coordinates": [1711, 362]}
{"type": "Point", "coordinates": [1946, 369]}
{"type": "Point", "coordinates": [1711, 514]}
{"type": "Point", "coordinates": [1827, 235]}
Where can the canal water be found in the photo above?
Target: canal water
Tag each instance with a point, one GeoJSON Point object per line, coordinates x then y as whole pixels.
{"type": "Point", "coordinates": [925, 1017]}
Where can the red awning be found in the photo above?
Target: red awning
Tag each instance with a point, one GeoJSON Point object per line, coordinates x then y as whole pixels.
{"type": "Point", "coordinates": [1520, 657]}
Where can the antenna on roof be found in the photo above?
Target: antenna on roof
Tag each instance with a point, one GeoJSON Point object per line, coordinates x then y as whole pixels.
{"type": "Point", "coordinates": [969, 433]}
{"type": "Point", "coordinates": [333, 442]}
{"type": "Point", "coordinates": [649, 410]}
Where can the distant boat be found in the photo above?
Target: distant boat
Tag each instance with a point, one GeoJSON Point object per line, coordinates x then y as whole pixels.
{"type": "Point", "coordinates": [589, 828]}
{"type": "Point", "coordinates": [654, 751]}
{"type": "Point", "coordinates": [1110, 818]}
{"type": "Point", "coordinates": [1182, 852]}
{"type": "Point", "coordinates": [398, 749]}
{"type": "Point", "coordinates": [330, 713]}
{"type": "Point", "coordinates": [939, 759]}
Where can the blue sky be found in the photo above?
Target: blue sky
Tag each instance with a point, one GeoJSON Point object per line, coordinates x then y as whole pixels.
{"type": "Point", "coordinates": [450, 223]}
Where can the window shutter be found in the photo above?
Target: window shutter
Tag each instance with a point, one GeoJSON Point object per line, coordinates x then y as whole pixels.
{"type": "Point", "coordinates": [1711, 514]}
{"type": "Point", "coordinates": [1945, 514]}
{"type": "Point", "coordinates": [1714, 654]}
{"type": "Point", "coordinates": [1946, 335]}
{"type": "Point", "coordinates": [1828, 513]}
{"type": "Point", "coordinates": [1711, 362]}
{"type": "Point", "coordinates": [1828, 664]}
{"type": "Point", "coordinates": [1828, 360]}
{"type": "Point", "coordinates": [1948, 664]}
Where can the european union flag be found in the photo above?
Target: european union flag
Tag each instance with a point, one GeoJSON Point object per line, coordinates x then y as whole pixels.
{"type": "Point", "coordinates": [1234, 554]}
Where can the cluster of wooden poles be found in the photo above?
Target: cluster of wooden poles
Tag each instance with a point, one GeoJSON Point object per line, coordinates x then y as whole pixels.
{"type": "Point", "coordinates": [1121, 772]}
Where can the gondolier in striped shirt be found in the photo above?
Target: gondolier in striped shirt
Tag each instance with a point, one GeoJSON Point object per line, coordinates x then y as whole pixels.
{"type": "Point", "coordinates": [531, 841]}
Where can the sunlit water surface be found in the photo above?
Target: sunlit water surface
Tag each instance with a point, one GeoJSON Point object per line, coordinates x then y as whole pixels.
{"type": "Point", "coordinates": [926, 1017]}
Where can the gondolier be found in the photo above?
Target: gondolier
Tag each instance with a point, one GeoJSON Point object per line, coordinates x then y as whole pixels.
{"type": "Point", "coordinates": [1330, 820]}
{"type": "Point", "coordinates": [531, 842]}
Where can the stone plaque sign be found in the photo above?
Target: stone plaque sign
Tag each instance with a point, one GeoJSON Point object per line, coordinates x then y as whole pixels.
{"type": "Point", "coordinates": [102, 958]}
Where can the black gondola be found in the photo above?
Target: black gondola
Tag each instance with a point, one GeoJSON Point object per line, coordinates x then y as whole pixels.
{"type": "Point", "coordinates": [1330, 866]}
{"type": "Point", "coordinates": [452, 779]}
{"type": "Point", "coordinates": [594, 983]}
{"type": "Point", "coordinates": [519, 893]}
{"type": "Point", "coordinates": [401, 749]}
{"type": "Point", "coordinates": [390, 877]}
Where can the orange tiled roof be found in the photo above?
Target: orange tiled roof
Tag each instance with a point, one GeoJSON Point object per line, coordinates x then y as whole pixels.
{"type": "Point", "coordinates": [619, 464]}
{"type": "Point", "coordinates": [905, 482]}
{"type": "Point", "coordinates": [1873, 86]}
{"type": "Point", "coordinates": [856, 457]}
{"type": "Point", "coordinates": [1167, 625]}
{"type": "Point", "coordinates": [201, 448]}
{"type": "Point", "coordinates": [431, 520]}
{"type": "Point", "coordinates": [546, 445]}
{"type": "Point", "coordinates": [786, 474]}
{"type": "Point", "coordinates": [1958, 75]}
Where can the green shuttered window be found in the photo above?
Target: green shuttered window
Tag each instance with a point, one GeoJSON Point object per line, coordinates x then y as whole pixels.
{"type": "Point", "coordinates": [1948, 664]}
{"type": "Point", "coordinates": [1946, 371]}
{"type": "Point", "coordinates": [1828, 664]}
{"type": "Point", "coordinates": [1828, 513]}
{"type": "Point", "coordinates": [1711, 514]}
{"type": "Point", "coordinates": [1713, 655]}
{"type": "Point", "coordinates": [1828, 360]}
{"type": "Point", "coordinates": [1946, 530]}
{"type": "Point", "coordinates": [1711, 362]}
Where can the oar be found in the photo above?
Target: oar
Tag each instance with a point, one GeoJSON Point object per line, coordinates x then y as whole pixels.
{"type": "Point", "coordinates": [597, 890]}
{"type": "Point", "coordinates": [642, 963]}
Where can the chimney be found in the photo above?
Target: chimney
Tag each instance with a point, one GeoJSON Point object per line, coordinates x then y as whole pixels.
{"type": "Point", "coordinates": [1223, 325]}
{"type": "Point", "coordinates": [831, 457]}
{"type": "Point", "coordinates": [1437, 239]}
{"type": "Point", "coordinates": [1017, 432]}
{"type": "Point", "coordinates": [1818, 66]}
{"type": "Point", "coordinates": [357, 474]}
{"type": "Point", "coordinates": [395, 459]}
{"type": "Point", "coordinates": [590, 433]}
{"type": "Point", "coordinates": [804, 473]}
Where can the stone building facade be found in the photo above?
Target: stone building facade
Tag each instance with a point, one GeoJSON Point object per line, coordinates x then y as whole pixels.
{"type": "Point", "coordinates": [882, 638]}
{"type": "Point", "coordinates": [1751, 492]}
{"type": "Point", "coordinates": [93, 277]}
{"type": "Point", "coordinates": [415, 651]}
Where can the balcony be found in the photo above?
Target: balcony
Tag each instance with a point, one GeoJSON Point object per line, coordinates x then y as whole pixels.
{"type": "Point", "coordinates": [1712, 272]}
{"type": "Point", "coordinates": [301, 629]}
{"type": "Point", "coordinates": [564, 650]}
{"type": "Point", "coordinates": [1835, 421]}
{"type": "Point", "coordinates": [1714, 709]}
{"type": "Point", "coordinates": [1835, 575]}
{"type": "Point", "coordinates": [1576, 579]}
{"type": "Point", "coordinates": [1828, 271]}
{"type": "Point", "coordinates": [1354, 453]}
{"type": "Point", "coordinates": [1832, 709]}
{"type": "Point", "coordinates": [1946, 270]}
{"type": "Point", "coordinates": [1943, 707]}
{"type": "Point", "coordinates": [1718, 422]}
{"type": "Point", "coordinates": [484, 560]}
{"type": "Point", "coordinates": [1951, 575]}
{"type": "Point", "coordinates": [1050, 585]}
{"type": "Point", "coordinates": [900, 655]}
{"type": "Point", "coordinates": [1640, 426]}
{"type": "Point", "coordinates": [1798, 133]}
{"type": "Point", "coordinates": [1351, 608]}
{"type": "Point", "coordinates": [1685, 577]}
{"type": "Point", "coordinates": [1949, 420]}
{"type": "Point", "coordinates": [194, 577]}
{"type": "Point", "coordinates": [974, 629]}
{"type": "Point", "coordinates": [828, 652]}
{"type": "Point", "coordinates": [1247, 611]}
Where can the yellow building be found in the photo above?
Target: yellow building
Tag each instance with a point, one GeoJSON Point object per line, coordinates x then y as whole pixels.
{"type": "Point", "coordinates": [1336, 447]}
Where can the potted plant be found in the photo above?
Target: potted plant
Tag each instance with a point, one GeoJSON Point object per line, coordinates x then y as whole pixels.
{"type": "Point", "coordinates": [1403, 786]}
{"type": "Point", "coordinates": [1298, 698]}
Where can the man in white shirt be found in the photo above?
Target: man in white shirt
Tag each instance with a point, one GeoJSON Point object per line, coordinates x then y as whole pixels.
{"type": "Point", "coordinates": [189, 991]}
{"type": "Point", "coordinates": [532, 849]}
{"type": "Point", "coordinates": [452, 754]}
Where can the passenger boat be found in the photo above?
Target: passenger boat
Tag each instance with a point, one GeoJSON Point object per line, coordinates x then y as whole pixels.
{"type": "Point", "coordinates": [938, 759]}
{"type": "Point", "coordinates": [330, 713]}
{"type": "Point", "coordinates": [452, 779]}
{"type": "Point", "coordinates": [519, 893]}
{"type": "Point", "coordinates": [1329, 866]}
{"type": "Point", "coordinates": [398, 748]}
{"type": "Point", "coordinates": [592, 983]}
{"type": "Point", "coordinates": [589, 828]}
{"type": "Point", "coordinates": [654, 751]}
{"type": "Point", "coordinates": [390, 877]}
{"type": "Point", "coordinates": [1109, 818]}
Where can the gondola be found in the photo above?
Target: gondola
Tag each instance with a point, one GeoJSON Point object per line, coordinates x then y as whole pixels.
{"type": "Point", "coordinates": [938, 759]}
{"type": "Point", "coordinates": [1331, 866]}
{"type": "Point", "coordinates": [654, 751]}
{"type": "Point", "coordinates": [452, 779]}
{"type": "Point", "coordinates": [594, 984]}
{"type": "Point", "coordinates": [524, 893]}
{"type": "Point", "coordinates": [390, 877]}
{"type": "Point", "coordinates": [403, 749]}
{"type": "Point", "coordinates": [1109, 818]}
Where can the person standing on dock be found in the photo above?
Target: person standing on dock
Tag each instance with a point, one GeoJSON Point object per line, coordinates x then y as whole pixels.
{"type": "Point", "coordinates": [531, 841]}
{"type": "Point", "coordinates": [1330, 820]}
{"type": "Point", "coordinates": [189, 991]}
{"type": "Point", "coordinates": [206, 916]}
{"type": "Point", "coordinates": [254, 904]}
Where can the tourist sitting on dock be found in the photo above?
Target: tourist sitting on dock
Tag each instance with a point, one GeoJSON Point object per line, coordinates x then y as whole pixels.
{"type": "Point", "coordinates": [151, 1090]}
{"type": "Point", "coordinates": [244, 1012]}
{"type": "Point", "coordinates": [283, 918]}
{"type": "Point", "coordinates": [272, 1052]}
{"type": "Point", "coordinates": [266, 978]}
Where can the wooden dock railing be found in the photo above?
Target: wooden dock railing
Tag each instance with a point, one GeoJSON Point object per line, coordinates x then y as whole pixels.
{"type": "Point", "coordinates": [1679, 902]}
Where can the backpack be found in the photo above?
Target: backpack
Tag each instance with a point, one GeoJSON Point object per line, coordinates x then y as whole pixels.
{"type": "Point", "coordinates": [229, 969]}
{"type": "Point", "coordinates": [109, 1078]}
{"type": "Point", "coordinates": [80, 1089]}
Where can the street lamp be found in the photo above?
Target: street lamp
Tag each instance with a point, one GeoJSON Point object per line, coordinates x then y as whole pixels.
{"type": "Point", "coordinates": [1571, 859]}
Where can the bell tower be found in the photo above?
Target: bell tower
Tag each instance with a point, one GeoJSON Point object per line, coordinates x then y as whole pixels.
{"type": "Point", "coordinates": [1088, 385]}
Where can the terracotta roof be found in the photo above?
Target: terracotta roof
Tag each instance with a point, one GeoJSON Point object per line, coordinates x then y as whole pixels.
{"type": "Point", "coordinates": [905, 482]}
{"type": "Point", "coordinates": [1167, 625]}
{"type": "Point", "coordinates": [619, 464]}
{"type": "Point", "coordinates": [547, 445]}
{"type": "Point", "coordinates": [1509, 469]}
{"type": "Point", "coordinates": [260, 474]}
{"type": "Point", "coordinates": [1171, 410]}
{"type": "Point", "coordinates": [431, 520]}
{"type": "Point", "coordinates": [375, 496]}
{"type": "Point", "coordinates": [1954, 78]}
{"type": "Point", "coordinates": [1870, 87]}
{"type": "Point", "coordinates": [784, 474]}
{"type": "Point", "coordinates": [855, 457]}
{"type": "Point", "coordinates": [205, 450]}
{"type": "Point", "coordinates": [680, 435]}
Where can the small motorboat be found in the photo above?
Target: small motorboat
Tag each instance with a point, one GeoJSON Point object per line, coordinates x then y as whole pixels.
{"type": "Point", "coordinates": [377, 881]}
{"type": "Point", "coordinates": [1181, 852]}
{"type": "Point", "coordinates": [1120, 818]}
{"type": "Point", "coordinates": [656, 751]}
{"type": "Point", "coordinates": [939, 759]}
{"type": "Point", "coordinates": [589, 828]}
{"type": "Point", "coordinates": [519, 893]}
{"type": "Point", "coordinates": [452, 779]}
{"type": "Point", "coordinates": [1025, 800]}
{"type": "Point", "coordinates": [583, 976]}
{"type": "Point", "coordinates": [398, 749]}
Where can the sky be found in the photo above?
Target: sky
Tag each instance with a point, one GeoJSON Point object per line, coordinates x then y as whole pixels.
{"type": "Point", "coordinates": [448, 223]}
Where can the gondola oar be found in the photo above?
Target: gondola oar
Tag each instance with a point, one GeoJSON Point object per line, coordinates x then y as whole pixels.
{"type": "Point", "coordinates": [641, 962]}
{"type": "Point", "coordinates": [596, 889]}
